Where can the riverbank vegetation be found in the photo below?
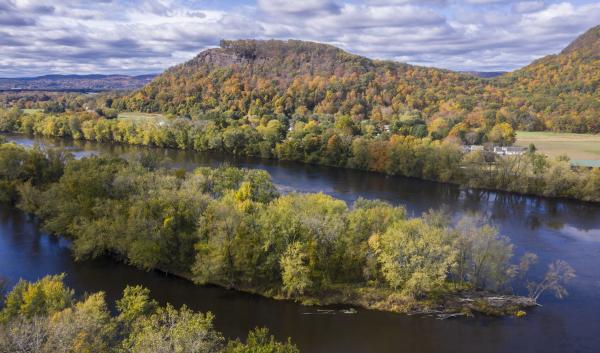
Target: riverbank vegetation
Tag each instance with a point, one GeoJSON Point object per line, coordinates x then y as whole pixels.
{"type": "Point", "coordinates": [46, 317]}
{"type": "Point", "coordinates": [335, 142]}
{"type": "Point", "coordinates": [231, 227]}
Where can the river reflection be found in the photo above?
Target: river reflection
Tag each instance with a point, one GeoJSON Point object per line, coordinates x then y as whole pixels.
{"type": "Point", "coordinates": [552, 229]}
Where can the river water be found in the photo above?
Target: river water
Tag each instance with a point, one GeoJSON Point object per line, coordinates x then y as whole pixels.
{"type": "Point", "coordinates": [553, 229]}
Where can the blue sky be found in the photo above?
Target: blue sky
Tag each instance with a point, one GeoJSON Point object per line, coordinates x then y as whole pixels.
{"type": "Point", "coordinates": [127, 36]}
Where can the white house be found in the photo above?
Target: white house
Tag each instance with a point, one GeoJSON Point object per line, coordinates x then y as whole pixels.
{"type": "Point", "coordinates": [509, 151]}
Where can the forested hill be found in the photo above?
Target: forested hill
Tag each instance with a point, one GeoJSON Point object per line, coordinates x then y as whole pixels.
{"type": "Point", "coordinates": [257, 78]}
{"type": "Point", "coordinates": [563, 89]}
{"type": "Point", "coordinates": [297, 79]}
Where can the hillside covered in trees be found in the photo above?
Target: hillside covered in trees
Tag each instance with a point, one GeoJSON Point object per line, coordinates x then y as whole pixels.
{"type": "Point", "coordinates": [300, 80]}
{"type": "Point", "coordinates": [559, 92]}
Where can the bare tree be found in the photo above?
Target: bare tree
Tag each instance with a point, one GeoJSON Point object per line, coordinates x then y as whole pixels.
{"type": "Point", "coordinates": [527, 260]}
{"type": "Point", "coordinates": [559, 273]}
{"type": "Point", "coordinates": [24, 336]}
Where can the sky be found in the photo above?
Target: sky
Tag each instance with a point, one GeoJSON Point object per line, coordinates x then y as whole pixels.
{"type": "Point", "coordinates": [147, 36]}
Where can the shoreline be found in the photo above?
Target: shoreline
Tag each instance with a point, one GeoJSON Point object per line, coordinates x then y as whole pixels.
{"type": "Point", "coordinates": [457, 184]}
{"type": "Point", "coordinates": [464, 303]}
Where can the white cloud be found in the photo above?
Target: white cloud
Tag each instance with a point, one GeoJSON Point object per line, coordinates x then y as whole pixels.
{"type": "Point", "coordinates": [528, 6]}
{"type": "Point", "coordinates": [487, 2]}
{"type": "Point", "coordinates": [76, 36]}
{"type": "Point", "coordinates": [303, 7]}
{"type": "Point", "coordinates": [374, 17]}
{"type": "Point", "coordinates": [412, 2]}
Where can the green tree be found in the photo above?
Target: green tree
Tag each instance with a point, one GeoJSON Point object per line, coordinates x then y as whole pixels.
{"type": "Point", "coordinates": [215, 252]}
{"type": "Point", "coordinates": [502, 134]}
{"type": "Point", "coordinates": [414, 257]}
{"type": "Point", "coordinates": [259, 341]}
{"type": "Point", "coordinates": [85, 327]}
{"type": "Point", "coordinates": [44, 297]}
{"type": "Point", "coordinates": [174, 331]}
{"type": "Point", "coordinates": [484, 255]}
{"type": "Point", "coordinates": [295, 274]}
{"type": "Point", "coordinates": [134, 305]}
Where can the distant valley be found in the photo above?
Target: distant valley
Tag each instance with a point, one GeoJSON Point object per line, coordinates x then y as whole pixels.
{"type": "Point", "coordinates": [75, 82]}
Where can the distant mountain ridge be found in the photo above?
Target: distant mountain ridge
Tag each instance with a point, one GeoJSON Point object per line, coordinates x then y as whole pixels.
{"type": "Point", "coordinates": [79, 76]}
{"type": "Point", "coordinates": [92, 82]}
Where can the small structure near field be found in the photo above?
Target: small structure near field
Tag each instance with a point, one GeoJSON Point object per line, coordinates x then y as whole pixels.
{"type": "Point", "coordinates": [498, 150]}
{"type": "Point", "coordinates": [509, 151]}
{"type": "Point", "coordinates": [472, 148]}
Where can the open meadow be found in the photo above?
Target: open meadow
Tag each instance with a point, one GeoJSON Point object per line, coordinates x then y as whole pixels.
{"type": "Point", "coordinates": [136, 116]}
{"type": "Point", "coordinates": [583, 149]}
{"type": "Point", "coordinates": [32, 111]}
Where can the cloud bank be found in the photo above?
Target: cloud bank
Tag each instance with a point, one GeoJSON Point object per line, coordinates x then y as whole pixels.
{"type": "Point", "coordinates": [134, 37]}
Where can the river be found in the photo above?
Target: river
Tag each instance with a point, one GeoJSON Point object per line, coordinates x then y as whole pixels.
{"type": "Point", "coordinates": [553, 229]}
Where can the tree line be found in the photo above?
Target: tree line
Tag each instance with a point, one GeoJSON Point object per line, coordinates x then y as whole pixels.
{"type": "Point", "coordinates": [335, 142]}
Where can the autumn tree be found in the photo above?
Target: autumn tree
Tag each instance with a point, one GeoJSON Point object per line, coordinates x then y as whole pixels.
{"type": "Point", "coordinates": [502, 134]}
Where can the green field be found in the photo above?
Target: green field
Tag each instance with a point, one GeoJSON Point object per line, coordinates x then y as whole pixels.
{"type": "Point", "coordinates": [583, 149]}
{"type": "Point", "coordinates": [142, 116]}
{"type": "Point", "coordinates": [32, 111]}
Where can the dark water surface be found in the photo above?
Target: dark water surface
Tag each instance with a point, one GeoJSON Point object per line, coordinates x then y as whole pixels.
{"type": "Point", "coordinates": [552, 229]}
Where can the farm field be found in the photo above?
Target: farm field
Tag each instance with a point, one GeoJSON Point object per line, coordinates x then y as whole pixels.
{"type": "Point", "coordinates": [32, 111]}
{"type": "Point", "coordinates": [583, 149]}
{"type": "Point", "coordinates": [141, 116]}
